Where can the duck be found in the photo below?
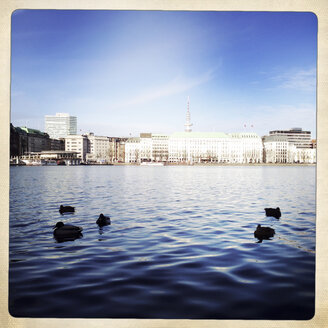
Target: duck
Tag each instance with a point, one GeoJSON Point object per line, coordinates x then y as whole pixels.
{"type": "Point", "coordinates": [275, 212]}
{"type": "Point", "coordinates": [65, 232]}
{"type": "Point", "coordinates": [66, 209]}
{"type": "Point", "coordinates": [263, 232]}
{"type": "Point", "coordinates": [103, 220]}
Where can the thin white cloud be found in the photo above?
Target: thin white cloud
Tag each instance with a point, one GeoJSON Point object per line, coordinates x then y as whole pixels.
{"type": "Point", "coordinates": [177, 85]}
{"type": "Point", "coordinates": [302, 80]}
{"type": "Point", "coordinates": [286, 117]}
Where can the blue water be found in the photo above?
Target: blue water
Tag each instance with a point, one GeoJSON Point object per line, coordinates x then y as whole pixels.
{"type": "Point", "coordinates": [181, 243]}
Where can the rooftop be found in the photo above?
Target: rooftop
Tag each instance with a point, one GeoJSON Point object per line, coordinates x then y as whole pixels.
{"type": "Point", "coordinates": [198, 135]}
{"type": "Point", "coordinates": [32, 131]}
{"type": "Point", "coordinates": [244, 135]}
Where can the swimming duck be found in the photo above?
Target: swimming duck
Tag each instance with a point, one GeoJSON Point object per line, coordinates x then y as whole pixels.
{"type": "Point", "coordinates": [275, 212]}
{"type": "Point", "coordinates": [65, 232]}
{"type": "Point", "coordinates": [66, 209]}
{"type": "Point", "coordinates": [103, 220]}
{"type": "Point", "coordinates": [263, 232]}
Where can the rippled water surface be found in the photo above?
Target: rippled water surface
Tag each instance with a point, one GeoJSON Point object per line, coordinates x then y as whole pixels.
{"type": "Point", "coordinates": [181, 243]}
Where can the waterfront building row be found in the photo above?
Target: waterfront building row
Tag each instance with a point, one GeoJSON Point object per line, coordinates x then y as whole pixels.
{"type": "Point", "coordinates": [216, 147]}
{"type": "Point", "coordinates": [180, 147]}
{"type": "Point", "coordinates": [96, 149]}
{"type": "Point", "coordinates": [279, 149]}
{"type": "Point", "coordinates": [195, 147]}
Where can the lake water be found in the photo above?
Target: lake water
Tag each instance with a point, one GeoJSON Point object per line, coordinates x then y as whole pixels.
{"type": "Point", "coordinates": [181, 243]}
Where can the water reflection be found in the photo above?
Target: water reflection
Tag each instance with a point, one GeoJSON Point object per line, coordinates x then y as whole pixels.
{"type": "Point", "coordinates": [62, 239]}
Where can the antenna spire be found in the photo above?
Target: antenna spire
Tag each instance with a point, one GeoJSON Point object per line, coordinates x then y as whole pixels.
{"type": "Point", "coordinates": [188, 124]}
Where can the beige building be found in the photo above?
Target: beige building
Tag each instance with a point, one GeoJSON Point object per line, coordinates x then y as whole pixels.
{"type": "Point", "coordinates": [79, 144]}
{"type": "Point", "coordinates": [98, 149]}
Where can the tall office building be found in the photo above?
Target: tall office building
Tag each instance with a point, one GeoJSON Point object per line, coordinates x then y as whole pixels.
{"type": "Point", "coordinates": [296, 136]}
{"type": "Point", "coordinates": [61, 125]}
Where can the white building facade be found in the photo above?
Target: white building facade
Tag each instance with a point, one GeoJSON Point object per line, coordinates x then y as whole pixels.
{"type": "Point", "coordinates": [305, 155]}
{"type": "Point", "coordinates": [147, 148]}
{"type": "Point", "coordinates": [215, 147]}
{"type": "Point", "coordinates": [246, 148]}
{"type": "Point", "coordinates": [191, 147]}
{"type": "Point", "coordinates": [160, 147]}
{"type": "Point", "coordinates": [79, 144]}
{"type": "Point", "coordinates": [277, 149]}
{"type": "Point", "coordinates": [289, 146]}
{"type": "Point", "coordinates": [60, 125]}
{"type": "Point", "coordinates": [132, 150]}
{"type": "Point", "coordinates": [194, 147]}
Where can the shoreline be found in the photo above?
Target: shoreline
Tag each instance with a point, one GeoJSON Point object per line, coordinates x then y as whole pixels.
{"type": "Point", "coordinates": [184, 164]}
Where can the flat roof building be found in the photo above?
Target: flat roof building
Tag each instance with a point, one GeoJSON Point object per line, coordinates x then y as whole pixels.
{"type": "Point", "coordinates": [296, 136]}
{"type": "Point", "coordinates": [61, 125]}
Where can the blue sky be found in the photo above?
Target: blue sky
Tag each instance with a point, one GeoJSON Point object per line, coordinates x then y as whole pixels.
{"type": "Point", "coordinates": [126, 72]}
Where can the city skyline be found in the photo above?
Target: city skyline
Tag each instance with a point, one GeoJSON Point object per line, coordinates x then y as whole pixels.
{"type": "Point", "coordinates": [123, 73]}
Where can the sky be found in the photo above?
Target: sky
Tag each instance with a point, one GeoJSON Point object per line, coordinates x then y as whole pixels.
{"type": "Point", "coordinates": [122, 73]}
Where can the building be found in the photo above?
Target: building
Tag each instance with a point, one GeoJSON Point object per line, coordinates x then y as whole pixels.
{"type": "Point", "coordinates": [215, 147]}
{"type": "Point", "coordinates": [98, 149]}
{"type": "Point", "coordinates": [18, 141]}
{"type": "Point", "coordinates": [132, 150]}
{"type": "Point", "coordinates": [296, 136]}
{"type": "Point", "coordinates": [50, 157]}
{"type": "Point", "coordinates": [61, 125]}
{"type": "Point", "coordinates": [120, 148]}
{"type": "Point", "coordinates": [289, 146]}
{"type": "Point", "coordinates": [79, 144]}
{"type": "Point", "coordinates": [117, 149]}
{"type": "Point", "coordinates": [160, 147]}
{"type": "Point", "coordinates": [245, 147]}
{"type": "Point", "coordinates": [194, 147]}
{"type": "Point", "coordinates": [147, 148]}
{"type": "Point", "coordinates": [57, 144]}
{"type": "Point", "coordinates": [277, 149]}
{"type": "Point", "coordinates": [145, 154]}
{"type": "Point", "coordinates": [36, 140]}
{"type": "Point", "coordinates": [24, 140]}
{"type": "Point", "coordinates": [305, 155]}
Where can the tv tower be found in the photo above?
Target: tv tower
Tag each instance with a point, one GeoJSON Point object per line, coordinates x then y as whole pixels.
{"type": "Point", "coordinates": [188, 124]}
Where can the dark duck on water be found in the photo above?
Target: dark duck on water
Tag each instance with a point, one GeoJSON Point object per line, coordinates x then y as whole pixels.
{"type": "Point", "coordinates": [263, 233]}
{"type": "Point", "coordinates": [66, 209]}
{"type": "Point", "coordinates": [65, 232]}
{"type": "Point", "coordinates": [275, 212]}
{"type": "Point", "coordinates": [103, 220]}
